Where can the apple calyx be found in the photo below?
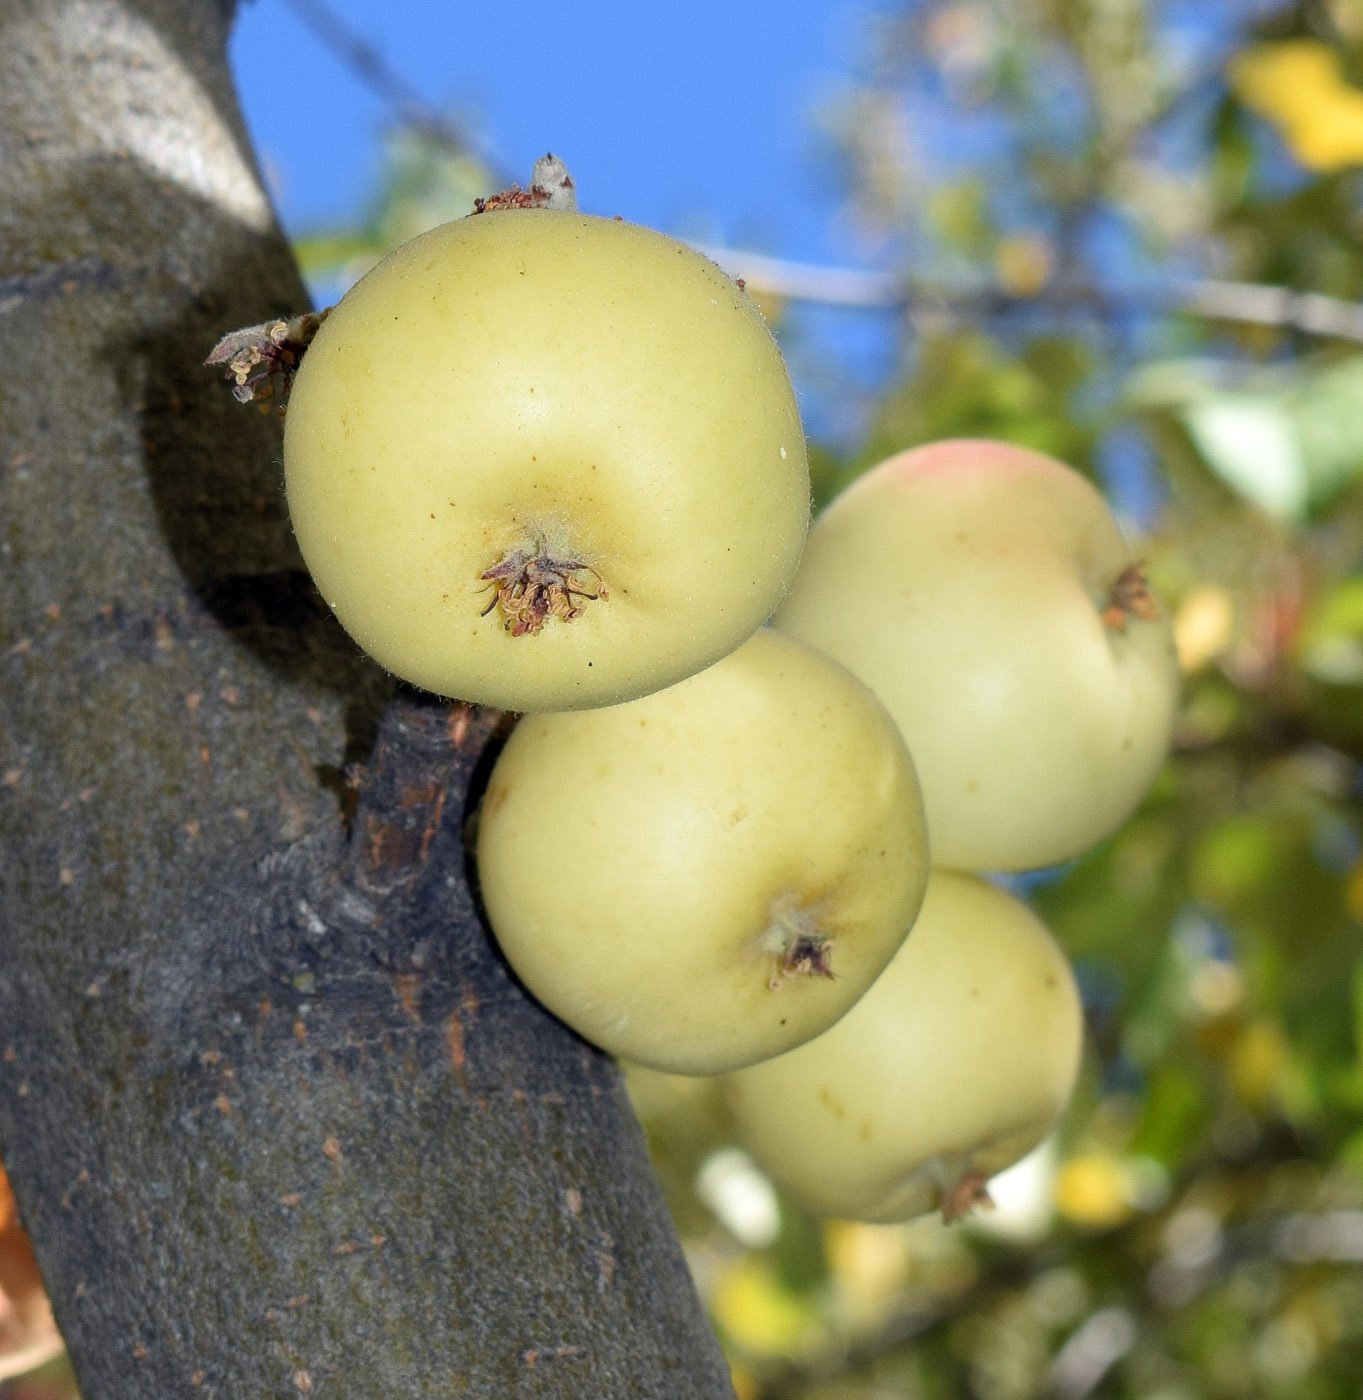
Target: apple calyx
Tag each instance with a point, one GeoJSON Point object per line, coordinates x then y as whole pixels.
{"type": "Point", "coordinates": [535, 585]}
{"type": "Point", "coordinates": [808, 956]}
{"type": "Point", "coordinates": [968, 1191]}
{"type": "Point", "coordinates": [801, 949]}
{"type": "Point", "coordinates": [1129, 596]}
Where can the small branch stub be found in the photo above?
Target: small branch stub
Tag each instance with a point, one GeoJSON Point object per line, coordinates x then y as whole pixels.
{"type": "Point", "coordinates": [262, 360]}
{"type": "Point", "coordinates": [532, 588]}
{"type": "Point", "coordinates": [1129, 597]}
{"type": "Point", "coordinates": [551, 187]}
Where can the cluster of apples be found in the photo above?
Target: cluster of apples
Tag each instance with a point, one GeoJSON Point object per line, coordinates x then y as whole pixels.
{"type": "Point", "coordinates": [553, 463]}
{"type": "Point", "coordinates": [987, 596]}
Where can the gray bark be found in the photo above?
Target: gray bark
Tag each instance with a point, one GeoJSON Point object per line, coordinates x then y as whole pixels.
{"type": "Point", "coordinates": [278, 1118]}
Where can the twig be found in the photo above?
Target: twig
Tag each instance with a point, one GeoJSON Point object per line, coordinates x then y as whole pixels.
{"type": "Point", "coordinates": [801, 281]}
{"type": "Point", "coordinates": [369, 65]}
{"type": "Point", "coordinates": [1248, 303]}
{"type": "Point", "coordinates": [1256, 304]}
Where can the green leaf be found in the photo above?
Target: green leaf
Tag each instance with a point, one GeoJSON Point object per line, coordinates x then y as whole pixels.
{"type": "Point", "coordinates": [1286, 439]}
{"type": "Point", "coordinates": [1251, 445]}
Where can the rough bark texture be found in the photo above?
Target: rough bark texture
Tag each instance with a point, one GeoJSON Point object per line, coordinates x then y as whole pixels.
{"type": "Point", "coordinates": [278, 1118]}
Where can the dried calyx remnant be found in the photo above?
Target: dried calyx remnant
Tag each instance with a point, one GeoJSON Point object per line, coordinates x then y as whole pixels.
{"type": "Point", "coordinates": [801, 948]}
{"type": "Point", "coordinates": [964, 1194]}
{"type": "Point", "coordinates": [536, 584]}
{"type": "Point", "coordinates": [262, 360]}
{"type": "Point", "coordinates": [1129, 596]}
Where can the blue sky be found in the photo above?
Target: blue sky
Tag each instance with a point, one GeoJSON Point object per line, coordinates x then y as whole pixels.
{"type": "Point", "coordinates": [700, 120]}
{"type": "Point", "coordinates": [695, 119]}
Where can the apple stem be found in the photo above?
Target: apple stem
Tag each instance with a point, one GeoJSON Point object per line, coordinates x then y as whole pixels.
{"type": "Point", "coordinates": [1129, 596]}
{"type": "Point", "coordinates": [533, 586]}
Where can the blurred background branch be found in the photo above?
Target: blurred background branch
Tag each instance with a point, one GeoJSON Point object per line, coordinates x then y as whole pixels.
{"type": "Point", "coordinates": [368, 66]}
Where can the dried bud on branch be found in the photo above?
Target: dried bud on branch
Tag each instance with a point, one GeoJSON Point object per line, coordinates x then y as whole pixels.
{"type": "Point", "coordinates": [262, 360]}
{"type": "Point", "coordinates": [551, 187]}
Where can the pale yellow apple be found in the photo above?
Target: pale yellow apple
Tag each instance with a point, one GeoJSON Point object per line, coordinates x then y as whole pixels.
{"type": "Point", "coordinates": [986, 594]}
{"type": "Point", "coordinates": [542, 460]}
{"type": "Point", "coordinates": [955, 1064]}
{"type": "Point", "coordinates": [710, 874]}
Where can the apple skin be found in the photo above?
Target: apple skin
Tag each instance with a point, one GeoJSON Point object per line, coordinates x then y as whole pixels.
{"type": "Point", "coordinates": [643, 865]}
{"type": "Point", "coordinates": [955, 1064]}
{"type": "Point", "coordinates": [28, 1335]}
{"type": "Point", "coordinates": [541, 380]}
{"type": "Point", "coordinates": [965, 582]}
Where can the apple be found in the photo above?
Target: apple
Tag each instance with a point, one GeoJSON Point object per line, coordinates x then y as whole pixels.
{"type": "Point", "coordinates": [541, 460]}
{"type": "Point", "coordinates": [710, 874]}
{"type": "Point", "coordinates": [28, 1335]}
{"type": "Point", "coordinates": [985, 593]}
{"type": "Point", "coordinates": [956, 1063]}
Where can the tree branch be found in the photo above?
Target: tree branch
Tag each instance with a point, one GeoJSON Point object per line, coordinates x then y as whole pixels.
{"type": "Point", "coordinates": [278, 1119]}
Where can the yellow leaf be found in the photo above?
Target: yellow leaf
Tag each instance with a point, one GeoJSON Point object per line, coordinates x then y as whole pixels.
{"type": "Point", "coordinates": [1024, 263]}
{"type": "Point", "coordinates": [1256, 1063]}
{"type": "Point", "coordinates": [757, 1312]}
{"type": "Point", "coordinates": [1094, 1191]}
{"type": "Point", "coordinates": [870, 1262]}
{"type": "Point", "coordinates": [1204, 626]}
{"type": "Point", "coordinates": [1298, 85]}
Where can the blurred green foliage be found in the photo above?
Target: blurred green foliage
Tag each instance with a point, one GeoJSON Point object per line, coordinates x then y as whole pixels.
{"type": "Point", "coordinates": [1062, 181]}
{"type": "Point", "coordinates": [54, 1380]}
